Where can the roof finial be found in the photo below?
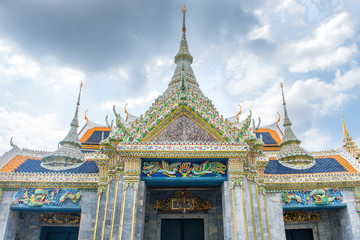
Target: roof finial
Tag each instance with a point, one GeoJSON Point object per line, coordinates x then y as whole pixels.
{"type": "Point", "coordinates": [184, 28]}
{"type": "Point", "coordinates": [75, 120]}
{"type": "Point", "coordinates": [283, 97]}
{"type": "Point", "coordinates": [86, 118]}
{"type": "Point", "coordinates": [238, 115]}
{"type": "Point", "coordinates": [127, 114]}
{"type": "Point", "coordinates": [277, 121]}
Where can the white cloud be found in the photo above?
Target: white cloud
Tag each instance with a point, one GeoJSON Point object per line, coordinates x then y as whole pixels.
{"type": "Point", "coordinates": [19, 66]}
{"type": "Point", "coordinates": [159, 69]}
{"type": "Point", "coordinates": [4, 47]}
{"type": "Point", "coordinates": [265, 105]}
{"type": "Point", "coordinates": [245, 76]}
{"type": "Point", "coordinates": [123, 73]}
{"type": "Point", "coordinates": [324, 50]}
{"type": "Point", "coordinates": [14, 65]}
{"type": "Point", "coordinates": [41, 132]}
{"type": "Point", "coordinates": [64, 78]}
{"type": "Point", "coordinates": [315, 139]}
{"type": "Point", "coordinates": [138, 102]}
{"type": "Point", "coordinates": [259, 32]}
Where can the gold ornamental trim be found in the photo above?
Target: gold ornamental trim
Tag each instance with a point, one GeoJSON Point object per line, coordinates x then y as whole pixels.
{"type": "Point", "coordinates": [182, 200]}
{"type": "Point", "coordinates": [301, 216]}
{"type": "Point", "coordinates": [60, 218]}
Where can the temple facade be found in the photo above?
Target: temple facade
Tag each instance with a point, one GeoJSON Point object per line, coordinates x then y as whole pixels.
{"type": "Point", "coordinates": [181, 171]}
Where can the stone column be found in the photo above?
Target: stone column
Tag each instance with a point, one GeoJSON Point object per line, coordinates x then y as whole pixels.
{"type": "Point", "coordinates": [275, 215]}
{"type": "Point", "coordinates": [8, 218]}
{"type": "Point", "coordinates": [349, 217]}
{"type": "Point", "coordinates": [244, 211]}
{"type": "Point", "coordinates": [88, 215]}
{"type": "Point", "coordinates": [130, 207]}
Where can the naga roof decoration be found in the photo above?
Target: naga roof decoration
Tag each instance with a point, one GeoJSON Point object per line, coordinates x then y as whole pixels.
{"type": "Point", "coordinates": [69, 154]}
{"type": "Point", "coordinates": [183, 96]}
{"type": "Point", "coordinates": [292, 154]}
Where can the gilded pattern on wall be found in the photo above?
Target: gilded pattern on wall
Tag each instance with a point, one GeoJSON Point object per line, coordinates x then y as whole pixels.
{"type": "Point", "coordinates": [50, 197]}
{"type": "Point", "coordinates": [182, 200]}
{"type": "Point", "coordinates": [301, 216]}
{"type": "Point", "coordinates": [319, 196]}
{"type": "Point", "coordinates": [183, 169]}
{"type": "Point", "coordinates": [132, 172]}
{"type": "Point", "coordinates": [236, 172]}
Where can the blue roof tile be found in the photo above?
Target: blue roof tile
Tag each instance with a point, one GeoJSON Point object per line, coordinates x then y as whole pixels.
{"type": "Point", "coordinates": [267, 138]}
{"type": "Point", "coordinates": [322, 165]}
{"type": "Point", "coordinates": [96, 137]}
{"type": "Point", "coordinates": [32, 166]}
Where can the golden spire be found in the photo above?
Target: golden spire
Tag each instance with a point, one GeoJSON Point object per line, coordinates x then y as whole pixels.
{"type": "Point", "coordinates": [184, 28]}
{"type": "Point", "coordinates": [346, 133]}
{"type": "Point", "coordinates": [348, 143]}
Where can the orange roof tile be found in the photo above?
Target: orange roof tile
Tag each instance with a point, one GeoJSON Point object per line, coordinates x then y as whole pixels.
{"type": "Point", "coordinates": [273, 134]}
{"type": "Point", "coordinates": [89, 132]}
{"type": "Point", "coordinates": [15, 163]}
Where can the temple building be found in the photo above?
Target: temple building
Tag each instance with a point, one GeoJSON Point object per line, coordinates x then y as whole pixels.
{"type": "Point", "coordinates": [181, 171]}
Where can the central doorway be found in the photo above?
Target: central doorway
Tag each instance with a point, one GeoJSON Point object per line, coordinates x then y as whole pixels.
{"type": "Point", "coordinates": [182, 229]}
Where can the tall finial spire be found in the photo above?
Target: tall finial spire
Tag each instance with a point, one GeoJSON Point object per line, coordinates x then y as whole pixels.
{"type": "Point", "coordinates": [75, 121]}
{"type": "Point", "coordinates": [286, 117]}
{"type": "Point", "coordinates": [184, 28]}
{"type": "Point", "coordinates": [69, 154]}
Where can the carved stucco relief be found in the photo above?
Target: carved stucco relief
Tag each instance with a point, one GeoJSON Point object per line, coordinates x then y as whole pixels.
{"type": "Point", "coordinates": [183, 129]}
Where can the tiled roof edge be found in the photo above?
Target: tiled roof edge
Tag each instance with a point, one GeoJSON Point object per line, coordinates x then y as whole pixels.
{"type": "Point", "coordinates": [35, 153]}
{"type": "Point", "coordinates": [7, 156]}
{"type": "Point", "coordinates": [350, 158]}
{"type": "Point", "coordinates": [343, 153]}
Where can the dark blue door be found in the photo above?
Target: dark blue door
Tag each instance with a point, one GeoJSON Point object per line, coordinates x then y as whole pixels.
{"type": "Point", "coordinates": [299, 234]}
{"type": "Point", "coordinates": [182, 229]}
{"type": "Point", "coordinates": [59, 233]}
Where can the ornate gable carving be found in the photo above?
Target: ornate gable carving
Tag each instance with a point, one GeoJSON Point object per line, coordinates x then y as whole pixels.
{"type": "Point", "coordinates": [183, 129]}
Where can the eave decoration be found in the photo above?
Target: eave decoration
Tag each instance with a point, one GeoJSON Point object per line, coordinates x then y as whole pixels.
{"type": "Point", "coordinates": [49, 197]}
{"type": "Point", "coordinates": [182, 200]}
{"type": "Point", "coordinates": [183, 169]}
{"type": "Point", "coordinates": [319, 196]}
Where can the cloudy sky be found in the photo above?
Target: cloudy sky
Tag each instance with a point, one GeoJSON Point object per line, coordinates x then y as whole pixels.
{"type": "Point", "coordinates": [123, 51]}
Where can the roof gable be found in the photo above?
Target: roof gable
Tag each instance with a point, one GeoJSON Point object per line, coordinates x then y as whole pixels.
{"type": "Point", "coordinates": [184, 128]}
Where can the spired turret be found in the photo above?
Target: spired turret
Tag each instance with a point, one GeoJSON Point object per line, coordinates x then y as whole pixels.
{"type": "Point", "coordinates": [69, 154]}
{"type": "Point", "coordinates": [348, 143]}
{"type": "Point", "coordinates": [292, 154]}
